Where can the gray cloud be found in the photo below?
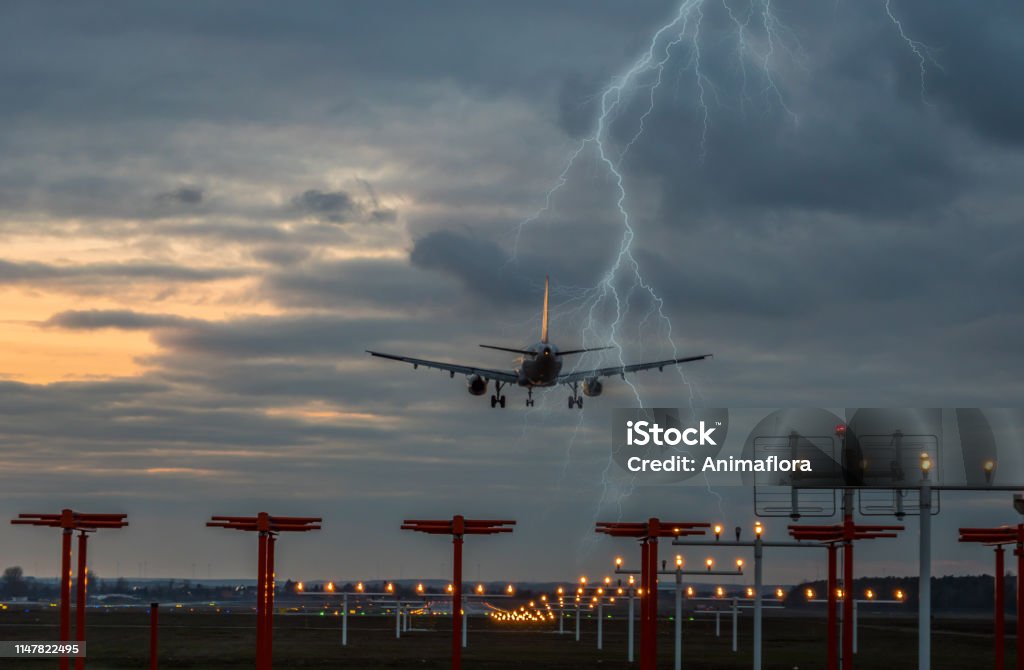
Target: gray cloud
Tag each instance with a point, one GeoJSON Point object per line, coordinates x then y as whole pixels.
{"type": "Point", "coordinates": [95, 319]}
{"type": "Point", "coordinates": [24, 272]}
{"type": "Point", "coordinates": [185, 195]}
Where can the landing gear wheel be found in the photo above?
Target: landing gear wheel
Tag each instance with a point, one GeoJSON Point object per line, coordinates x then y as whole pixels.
{"type": "Point", "coordinates": [494, 401]}
{"type": "Point", "coordinates": [572, 402]}
{"type": "Point", "coordinates": [501, 401]}
{"type": "Point", "coordinates": [529, 398]}
{"type": "Point", "coordinates": [579, 402]}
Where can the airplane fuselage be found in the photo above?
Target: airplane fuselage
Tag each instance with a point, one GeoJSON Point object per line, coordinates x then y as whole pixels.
{"type": "Point", "coordinates": [541, 369]}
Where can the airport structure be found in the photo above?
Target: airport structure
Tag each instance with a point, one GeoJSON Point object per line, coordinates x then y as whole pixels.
{"type": "Point", "coordinates": [647, 533]}
{"type": "Point", "coordinates": [268, 527]}
{"type": "Point", "coordinates": [458, 527]}
{"type": "Point", "coordinates": [70, 521]}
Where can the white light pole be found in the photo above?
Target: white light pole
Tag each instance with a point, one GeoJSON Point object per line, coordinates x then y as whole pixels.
{"type": "Point", "coordinates": [600, 624]}
{"type": "Point", "coordinates": [924, 603]}
{"type": "Point", "coordinates": [758, 584]}
{"type": "Point", "coordinates": [344, 620]}
{"type": "Point", "coordinates": [677, 587]}
{"type": "Point", "coordinates": [735, 622]}
{"type": "Point", "coordinates": [679, 613]}
{"type": "Point", "coordinates": [632, 595]}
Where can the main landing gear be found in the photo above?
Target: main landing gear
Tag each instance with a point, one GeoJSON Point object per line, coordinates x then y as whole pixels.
{"type": "Point", "coordinates": [497, 398]}
{"type": "Point", "coordinates": [575, 400]}
{"type": "Point", "coordinates": [529, 397]}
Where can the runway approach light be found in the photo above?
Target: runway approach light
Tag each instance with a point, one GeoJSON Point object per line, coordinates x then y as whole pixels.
{"type": "Point", "coordinates": [330, 587]}
{"type": "Point", "coordinates": [926, 463]}
{"type": "Point", "coordinates": [870, 594]}
{"type": "Point", "coordinates": [739, 564]}
{"type": "Point", "coordinates": [718, 531]}
{"type": "Point", "coordinates": [758, 528]}
{"type": "Point", "coordinates": [679, 561]}
{"type": "Point", "coordinates": [480, 589]}
{"type": "Point", "coordinates": [300, 587]}
{"type": "Point", "coordinates": [809, 593]}
{"type": "Point", "coordinates": [618, 561]}
{"type": "Point", "coordinates": [359, 587]}
{"type": "Point", "coordinates": [780, 594]}
{"type": "Point", "coordinates": [900, 595]}
{"type": "Point", "coordinates": [710, 563]}
{"type": "Point", "coordinates": [990, 467]}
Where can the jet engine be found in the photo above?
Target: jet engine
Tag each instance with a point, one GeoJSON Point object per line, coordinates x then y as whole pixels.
{"type": "Point", "coordinates": [592, 387]}
{"type": "Point", "coordinates": [477, 385]}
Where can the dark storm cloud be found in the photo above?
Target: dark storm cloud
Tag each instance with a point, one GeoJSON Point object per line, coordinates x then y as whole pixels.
{"type": "Point", "coordinates": [341, 284]}
{"type": "Point", "coordinates": [185, 195]}
{"type": "Point", "coordinates": [333, 206]}
{"type": "Point", "coordinates": [978, 54]}
{"type": "Point", "coordinates": [339, 207]}
{"type": "Point", "coordinates": [477, 263]}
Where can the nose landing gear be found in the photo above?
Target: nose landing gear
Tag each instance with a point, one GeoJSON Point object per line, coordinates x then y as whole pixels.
{"type": "Point", "coordinates": [529, 397]}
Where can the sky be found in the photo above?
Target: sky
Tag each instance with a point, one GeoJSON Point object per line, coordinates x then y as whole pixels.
{"type": "Point", "coordinates": [208, 211]}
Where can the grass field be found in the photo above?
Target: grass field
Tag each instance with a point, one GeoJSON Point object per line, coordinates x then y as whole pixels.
{"type": "Point", "coordinates": [211, 641]}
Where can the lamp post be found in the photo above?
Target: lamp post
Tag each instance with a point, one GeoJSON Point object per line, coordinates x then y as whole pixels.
{"type": "Point", "coordinates": [758, 545]}
{"type": "Point", "coordinates": [679, 572]}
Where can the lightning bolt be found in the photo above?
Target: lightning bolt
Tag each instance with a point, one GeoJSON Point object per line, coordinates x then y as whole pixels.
{"type": "Point", "coordinates": [761, 40]}
{"type": "Point", "coordinates": [921, 51]}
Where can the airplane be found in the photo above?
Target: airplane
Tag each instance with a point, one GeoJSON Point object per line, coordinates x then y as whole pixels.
{"type": "Point", "coordinates": [539, 366]}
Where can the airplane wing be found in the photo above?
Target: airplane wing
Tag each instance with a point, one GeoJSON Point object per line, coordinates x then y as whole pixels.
{"type": "Point", "coordinates": [580, 375]}
{"type": "Point", "coordinates": [486, 373]}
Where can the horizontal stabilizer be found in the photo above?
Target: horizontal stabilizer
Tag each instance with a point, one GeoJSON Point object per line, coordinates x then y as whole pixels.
{"type": "Point", "coordinates": [524, 352]}
{"type": "Point", "coordinates": [581, 351]}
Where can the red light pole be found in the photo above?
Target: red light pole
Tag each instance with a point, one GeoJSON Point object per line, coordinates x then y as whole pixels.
{"type": "Point", "coordinates": [648, 533]}
{"type": "Point", "coordinates": [845, 534]}
{"type": "Point", "coordinates": [154, 614]}
{"type": "Point", "coordinates": [998, 537]}
{"type": "Point", "coordinates": [457, 527]}
{"type": "Point", "coordinates": [69, 521]}
{"type": "Point", "coordinates": [267, 526]}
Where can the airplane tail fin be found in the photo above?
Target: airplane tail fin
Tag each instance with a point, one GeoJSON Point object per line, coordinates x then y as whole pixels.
{"type": "Point", "coordinates": [544, 318]}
